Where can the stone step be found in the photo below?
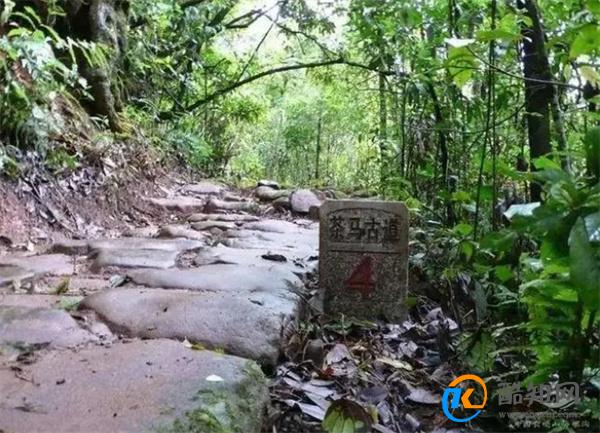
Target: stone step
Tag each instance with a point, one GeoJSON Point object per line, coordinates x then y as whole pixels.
{"type": "Point", "coordinates": [244, 310]}
{"type": "Point", "coordinates": [236, 217]}
{"type": "Point", "coordinates": [141, 386]}
{"type": "Point", "coordinates": [24, 326]}
{"type": "Point", "coordinates": [204, 188]}
{"type": "Point", "coordinates": [215, 205]}
{"type": "Point", "coordinates": [16, 269]}
{"type": "Point", "coordinates": [182, 204]}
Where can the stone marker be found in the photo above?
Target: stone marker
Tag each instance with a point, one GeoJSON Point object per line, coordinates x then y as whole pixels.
{"type": "Point", "coordinates": [363, 264]}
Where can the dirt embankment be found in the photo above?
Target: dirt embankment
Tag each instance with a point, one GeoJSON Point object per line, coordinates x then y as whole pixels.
{"type": "Point", "coordinates": [39, 206]}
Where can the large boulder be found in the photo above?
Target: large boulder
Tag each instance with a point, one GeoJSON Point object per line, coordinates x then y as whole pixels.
{"type": "Point", "coordinates": [303, 199]}
{"type": "Point", "coordinates": [266, 193]}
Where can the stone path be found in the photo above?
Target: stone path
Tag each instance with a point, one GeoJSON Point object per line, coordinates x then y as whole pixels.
{"type": "Point", "coordinates": [164, 330]}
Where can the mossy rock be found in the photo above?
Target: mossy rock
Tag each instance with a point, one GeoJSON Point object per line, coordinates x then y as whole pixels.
{"type": "Point", "coordinates": [226, 410]}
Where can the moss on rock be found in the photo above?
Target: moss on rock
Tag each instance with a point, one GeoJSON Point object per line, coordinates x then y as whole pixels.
{"type": "Point", "coordinates": [226, 409]}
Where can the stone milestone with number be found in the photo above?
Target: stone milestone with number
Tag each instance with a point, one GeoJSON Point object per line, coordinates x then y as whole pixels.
{"type": "Point", "coordinates": [363, 258]}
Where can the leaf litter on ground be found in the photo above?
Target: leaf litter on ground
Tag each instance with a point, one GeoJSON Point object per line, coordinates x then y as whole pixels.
{"type": "Point", "coordinates": [393, 372]}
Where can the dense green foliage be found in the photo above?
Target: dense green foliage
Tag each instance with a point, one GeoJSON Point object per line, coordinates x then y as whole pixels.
{"type": "Point", "coordinates": [431, 102]}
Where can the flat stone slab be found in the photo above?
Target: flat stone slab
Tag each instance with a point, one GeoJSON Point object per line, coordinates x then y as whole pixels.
{"type": "Point", "coordinates": [45, 264]}
{"type": "Point", "coordinates": [140, 232]}
{"type": "Point", "coordinates": [216, 205]}
{"type": "Point", "coordinates": [11, 273]}
{"type": "Point", "coordinates": [38, 301]}
{"type": "Point", "coordinates": [273, 226]}
{"type": "Point", "coordinates": [304, 241]}
{"type": "Point", "coordinates": [247, 324]}
{"type": "Point", "coordinates": [181, 231]}
{"type": "Point", "coordinates": [204, 188]}
{"type": "Point", "coordinates": [179, 204]}
{"type": "Point", "coordinates": [208, 225]}
{"type": "Point", "coordinates": [270, 258]}
{"type": "Point", "coordinates": [139, 387]}
{"type": "Point", "coordinates": [134, 258]}
{"type": "Point", "coordinates": [25, 326]}
{"type": "Point", "coordinates": [146, 244]}
{"type": "Point", "coordinates": [70, 246]}
{"type": "Point", "coordinates": [196, 217]}
{"type": "Point", "coordinates": [80, 247]}
{"type": "Point", "coordinates": [75, 285]}
{"type": "Point", "coordinates": [223, 278]}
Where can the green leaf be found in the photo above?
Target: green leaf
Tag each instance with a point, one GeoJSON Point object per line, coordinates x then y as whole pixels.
{"type": "Point", "coordinates": [585, 265]}
{"type": "Point", "coordinates": [586, 41]}
{"type": "Point", "coordinates": [461, 196]}
{"type": "Point", "coordinates": [503, 273]}
{"type": "Point", "coordinates": [497, 34]}
{"type": "Point", "coordinates": [499, 242]}
{"type": "Point", "coordinates": [544, 163]}
{"type": "Point", "coordinates": [460, 64]}
{"type": "Point", "coordinates": [594, 7]}
{"type": "Point", "coordinates": [591, 75]}
{"type": "Point", "coordinates": [467, 248]}
{"type": "Point", "coordinates": [463, 229]}
{"type": "Point", "coordinates": [346, 416]}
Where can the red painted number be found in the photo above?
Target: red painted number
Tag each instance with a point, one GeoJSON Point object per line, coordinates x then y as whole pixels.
{"type": "Point", "coordinates": [361, 278]}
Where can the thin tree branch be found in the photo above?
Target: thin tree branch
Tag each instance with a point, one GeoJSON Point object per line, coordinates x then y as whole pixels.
{"type": "Point", "coordinates": [262, 40]}
{"type": "Point", "coordinates": [519, 77]}
{"type": "Point", "coordinates": [237, 84]}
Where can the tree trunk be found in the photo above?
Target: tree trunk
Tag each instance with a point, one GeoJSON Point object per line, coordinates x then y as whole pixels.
{"type": "Point", "coordinates": [382, 131]}
{"type": "Point", "coordinates": [538, 95]}
{"type": "Point", "coordinates": [318, 156]}
{"type": "Point", "coordinates": [559, 131]}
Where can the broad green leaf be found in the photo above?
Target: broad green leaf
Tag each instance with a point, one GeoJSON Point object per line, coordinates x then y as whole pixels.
{"type": "Point", "coordinates": [467, 249]}
{"type": "Point", "coordinates": [591, 75]}
{"type": "Point", "coordinates": [586, 42]}
{"type": "Point", "coordinates": [585, 265]}
{"type": "Point", "coordinates": [594, 7]}
{"type": "Point", "coordinates": [461, 64]}
{"type": "Point", "coordinates": [461, 196]}
{"type": "Point", "coordinates": [497, 34]}
{"type": "Point", "coordinates": [463, 229]}
{"type": "Point", "coordinates": [501, 241]}
{"type": "Point", "coordinates": [544, 163]}
{"type": "Point", "coordinates": [503, 273]}
{"type": "Point", "coordinates": [346, 416]}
